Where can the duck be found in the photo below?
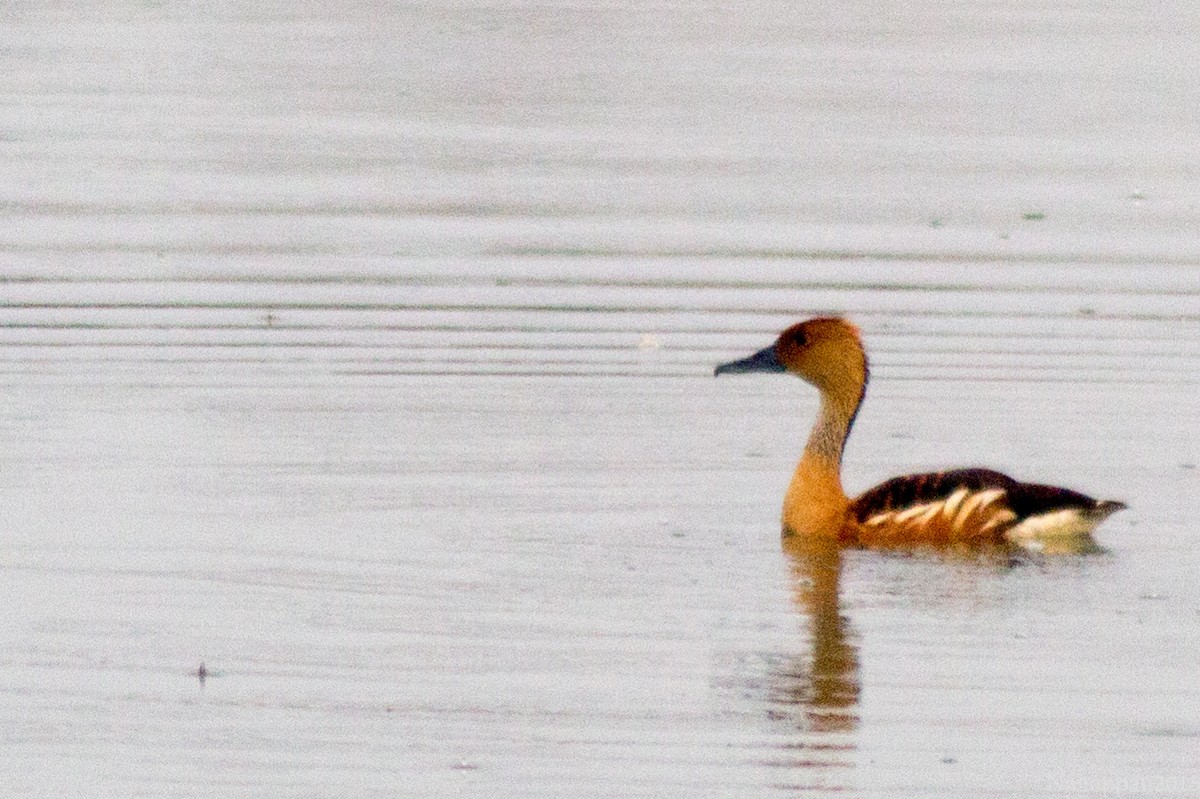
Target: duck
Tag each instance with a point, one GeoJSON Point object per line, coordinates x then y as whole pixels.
{"type": "Point", "coordinates": [964, 507]}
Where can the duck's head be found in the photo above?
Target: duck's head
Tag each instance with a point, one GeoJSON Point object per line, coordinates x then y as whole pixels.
{"type": "Point", "coordinates": [827, 352]}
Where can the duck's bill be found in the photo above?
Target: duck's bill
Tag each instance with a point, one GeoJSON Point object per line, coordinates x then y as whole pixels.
{"type": "Point", "coordinates": [762, 361]}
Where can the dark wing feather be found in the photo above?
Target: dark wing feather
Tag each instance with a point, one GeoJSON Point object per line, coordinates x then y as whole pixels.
{"type": "Point", "coordinates": [1031, 499]}
{"type": "Point", "coordinates": [1024, 499]}
{"type": "Point", "coordinates": [917, 489]}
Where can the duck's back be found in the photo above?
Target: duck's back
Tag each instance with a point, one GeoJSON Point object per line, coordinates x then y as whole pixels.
{"type": "Point", "coordinates": [971, 506]}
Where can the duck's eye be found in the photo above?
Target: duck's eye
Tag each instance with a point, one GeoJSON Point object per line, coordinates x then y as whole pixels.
{"type": "Point", "coordinates": [797, 338]}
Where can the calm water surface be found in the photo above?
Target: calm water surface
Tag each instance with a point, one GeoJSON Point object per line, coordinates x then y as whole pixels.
{"type": "Point", "coordinates": [364, 355]}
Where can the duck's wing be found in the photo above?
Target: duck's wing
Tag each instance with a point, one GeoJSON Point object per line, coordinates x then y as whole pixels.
{"type": "Point", "coordinates": [972, 506]}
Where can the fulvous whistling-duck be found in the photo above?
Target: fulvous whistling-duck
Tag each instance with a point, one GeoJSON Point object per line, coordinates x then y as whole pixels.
{"type": "Point", "coordinates": [960, 507]}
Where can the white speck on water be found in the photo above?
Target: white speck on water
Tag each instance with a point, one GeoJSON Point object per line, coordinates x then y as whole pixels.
{"type": "Point", "coordinates": [649, 342]}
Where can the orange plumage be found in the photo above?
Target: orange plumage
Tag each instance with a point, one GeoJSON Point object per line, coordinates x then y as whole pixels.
{"type": "Point", "coordinates": [960, 507]}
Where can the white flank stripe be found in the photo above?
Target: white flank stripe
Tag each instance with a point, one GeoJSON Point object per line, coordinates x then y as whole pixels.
{"type": "Point", "coordinates": [1002, 516]}
{"type": "Point", "coordinates": [976, 501]}
{"type": "Point", "coordinates": [916, 510]}
{"type": "Point", "coordinates": [953, 501]}
{"type": "Point", "coordinates": [927, 516]}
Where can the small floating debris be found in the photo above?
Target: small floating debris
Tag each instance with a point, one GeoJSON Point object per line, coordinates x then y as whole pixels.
{"type": "Point", "coordinates": [203, 673]}
{"type": "Point", "coordinates": [1152, 596]}
{"type": "Point", "coordinates": [1033, 216]}
{"type": "Point", "coordinates": [1137, 194]}
{"type": "Point", "coordinates": [463, 765]}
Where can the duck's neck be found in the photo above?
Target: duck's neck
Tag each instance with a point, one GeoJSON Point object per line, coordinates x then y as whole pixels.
{"type": "Point", "coordinates": [816, 504]}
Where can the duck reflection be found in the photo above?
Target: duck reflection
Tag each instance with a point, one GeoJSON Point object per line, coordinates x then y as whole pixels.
{"type": "Point", "coordinates": [818, 691]}
{"type": "Point", "coordinates": [814, 694]}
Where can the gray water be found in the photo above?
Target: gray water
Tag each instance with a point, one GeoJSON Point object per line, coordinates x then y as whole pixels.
{"type": "Point", "coordinates": [363, 354]}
